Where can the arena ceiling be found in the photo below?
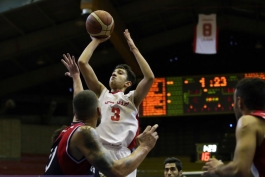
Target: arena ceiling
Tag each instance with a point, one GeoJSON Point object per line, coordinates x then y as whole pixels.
{"type": "Point", "coordinates": [33, 37]}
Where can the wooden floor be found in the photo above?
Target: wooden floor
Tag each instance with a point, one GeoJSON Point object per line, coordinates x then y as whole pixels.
{"type": "Point", "coordinates": [28, 165]}
{"type": "Point", "coordinates": [32, 164]}
{"type": "Point", "coordinates": [154, 167]}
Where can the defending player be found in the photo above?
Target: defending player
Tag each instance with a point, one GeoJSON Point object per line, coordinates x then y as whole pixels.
{"type": "Point", "coordinates": [119, 125]}
{"type": "Point", "coordinates": [77, 149]}
{"type": "Point", "coordinates": [249, 108]}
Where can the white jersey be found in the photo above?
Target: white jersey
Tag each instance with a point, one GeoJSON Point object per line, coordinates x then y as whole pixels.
{"type": "Point", "coordinates": [119, 122]}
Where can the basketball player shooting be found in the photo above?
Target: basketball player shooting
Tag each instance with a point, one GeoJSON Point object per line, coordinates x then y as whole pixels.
{"type": "Point", "coordinates": [119, 125]}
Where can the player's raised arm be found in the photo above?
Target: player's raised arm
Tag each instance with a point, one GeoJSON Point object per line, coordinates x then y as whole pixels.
{"type": "Point", "coordinates": [73, 72]}
{"type": "Point", "coordinates": [145, 84]}
{"type": "Point", "coordinates": [87, 141]}
{"type": "Point", "coordinates": [85, 68]}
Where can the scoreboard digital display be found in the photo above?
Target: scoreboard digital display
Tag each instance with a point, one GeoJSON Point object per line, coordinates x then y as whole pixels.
{"type": "Point", "coordinates": [205, 151]}
{"type": "Point", "coordinates": [192, 95]}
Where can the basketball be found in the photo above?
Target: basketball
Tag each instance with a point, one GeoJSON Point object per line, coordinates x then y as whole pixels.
{"type": "Point", "coordinates": [100, 24]}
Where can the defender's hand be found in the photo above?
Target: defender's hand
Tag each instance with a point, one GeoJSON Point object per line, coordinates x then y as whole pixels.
{"type": "Point", "coordinates": [148, 138]}
{"type": "Point", "coordinates": [210, 166]}
{"type": "Point", "coordinates": [70, 64]}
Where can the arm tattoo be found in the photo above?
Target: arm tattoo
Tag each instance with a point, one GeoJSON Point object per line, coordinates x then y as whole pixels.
{"type": "Point", "coordinates": [89, 138]}
{"type": "Point", "coordinates": [97, 154]}
{"type": "Point", "coordinates": [127, 163]}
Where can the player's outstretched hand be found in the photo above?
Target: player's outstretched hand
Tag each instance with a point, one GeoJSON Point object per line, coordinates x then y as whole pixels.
{"type": "Point", "coordinates": [148, 138]}
{"type": "Point", "coordinates": [70, 64]}
{"type": "Point", "coordinates": [129, 40]}
{"type": "Point", "coordinates": [210, 166]}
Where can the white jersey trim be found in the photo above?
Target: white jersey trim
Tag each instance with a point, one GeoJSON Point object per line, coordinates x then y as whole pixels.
{"type": "Point", "coordinates": [254, 170]}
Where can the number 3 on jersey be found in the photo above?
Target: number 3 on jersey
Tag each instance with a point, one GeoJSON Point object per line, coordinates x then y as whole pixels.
{"type": "Point", "coordinates": [116, 116]}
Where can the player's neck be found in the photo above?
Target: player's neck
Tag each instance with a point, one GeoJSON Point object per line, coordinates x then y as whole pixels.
{"type": "Point", "coordinates": [247, 112]}
{"type": "Point", "coordinates": [115, 90]}
{"type": "Point", "coordinates": [91, 123]}
{"type": "Point", "coordinates": [88, 122]}
{"type": "Point", "coordinates": [74, 119]}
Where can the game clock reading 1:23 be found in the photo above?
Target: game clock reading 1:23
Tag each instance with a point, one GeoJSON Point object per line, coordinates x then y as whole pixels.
{"type": "Point", "coordinates": [178, 96]}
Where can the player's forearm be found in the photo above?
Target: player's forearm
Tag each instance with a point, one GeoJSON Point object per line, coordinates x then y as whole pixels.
{"type": "Point", "coordinates": [128, 164]}
{"type": "Point", "coordinates": [144, 66]}
{"type": "Point", "coordinates": [86, 69]}
{"type": "Point", "coordinates": [87, 53]}
{"type": "Point", "coordinates": [231, 169]}
{"type": "Point", "coordinates": [77, 85]}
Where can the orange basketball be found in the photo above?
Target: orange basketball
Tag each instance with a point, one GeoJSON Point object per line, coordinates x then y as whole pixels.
{"type": "Point", "coordinates": [100, 24]}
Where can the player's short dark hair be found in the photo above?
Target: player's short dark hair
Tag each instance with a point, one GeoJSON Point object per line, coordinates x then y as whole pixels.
{"type": "Point", "coordinates": [85, 104]}
{"type": "Point", "coordinates": [252, 91]}
{"type": "Point", "coordinates": [174, 160]}
{"type": "Point", "coordinates": [130, 74]}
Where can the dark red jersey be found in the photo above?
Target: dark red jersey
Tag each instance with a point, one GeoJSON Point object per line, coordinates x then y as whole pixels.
{"type": "Point", "coordinates": [60, 160]}
{"type": "Point", "coordinates": [258, 165]}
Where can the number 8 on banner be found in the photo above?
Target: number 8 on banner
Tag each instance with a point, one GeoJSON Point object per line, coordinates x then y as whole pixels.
{"type": "Point", "coordinates": [207, 29]}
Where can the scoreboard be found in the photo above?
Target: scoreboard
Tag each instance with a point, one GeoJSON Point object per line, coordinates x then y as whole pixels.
{"type": "Point", "coordinates": [205, 151]}
{"type": "Point", "coordinates": [192, 95]}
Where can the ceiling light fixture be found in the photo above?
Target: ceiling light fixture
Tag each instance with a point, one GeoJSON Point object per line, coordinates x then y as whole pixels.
{"type": "Point", "coordinates": [86, 6]}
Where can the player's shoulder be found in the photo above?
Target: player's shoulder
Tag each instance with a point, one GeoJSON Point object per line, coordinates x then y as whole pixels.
{"type": "Point", "coordinates": [130, 93]}
{"type": "Point", "coordinates": [251, 125]}
{"type": "Point", "coordinates": [88, 136]}
{"type": "Point", "coordinates": [86, 131]}
{"type": "Point", "coordinates": [103, 92]}
{"type": "Point", "coordinates": [248, 121]}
